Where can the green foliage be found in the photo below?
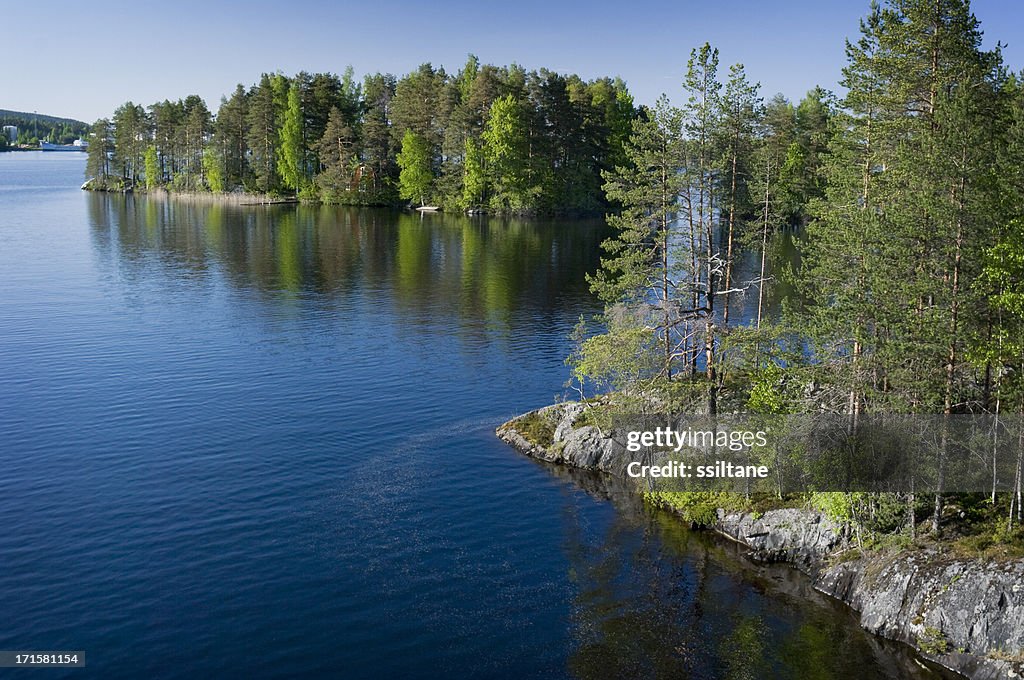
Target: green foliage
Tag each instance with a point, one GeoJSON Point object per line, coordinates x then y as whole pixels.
{"type": "Point", "coordinates": [537, 427]}
{"type": "Point", "coordinates": [33, 127]}
{"type": "Point", "coordinates": [152, 168]}
{"type": "Point", "coordinates": [506, 151]}
{"type": "Point", "coordinates": [415, 178]}
{"type": "Point", "coordinates": [836, 505]}
{"type": "Point", "coordinates": [474, 187]}
{"type": "Point", "coordinates": [129, 124]}
{"type": "Point", "coordinates": [262, 138]}
{"type": "Point", "coordinates": [615, 360]}
{"type": "Point", "coordinates": [698, 507]}
{"type": "Point", "coordinates": [907, 212]}
{"type": "Point", "coordinates": [337, 153]}
{"type": "Point", "coordinates": [933, 642]}
{"type": "Point", "coordinates": [291, 161]}
{"type": "Point", "coordinates": [335, 139]}
{"type": "Point", "coordinates": [769, 391]}
{"type": "Point", "coordinates": [97, 165]}
{"type": "Point", "coordinates": [212, 169]}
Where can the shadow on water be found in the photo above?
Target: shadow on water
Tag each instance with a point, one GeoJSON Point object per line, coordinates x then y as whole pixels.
{"type": "Point", "coordinates": [657, 599]}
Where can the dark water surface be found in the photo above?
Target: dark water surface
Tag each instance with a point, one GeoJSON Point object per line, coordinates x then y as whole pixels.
{"type": "Point", "coordinates": [258, 442]}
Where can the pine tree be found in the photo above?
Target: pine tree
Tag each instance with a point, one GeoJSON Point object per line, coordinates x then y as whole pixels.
{"type": "Point", "coordinates": [741, 113]}
{"type": "Point", "coordinates": [639, 280]}
{"type": "Point", "coordinates": [336, 150]}
{"type": "Point", "coordinates": [230, 132]}
{"type": "Point", "coordinates": [906, 218]}
{"type": "Point", "coordinates": [377, 144]}
{"type": "Point", "coordinates": [167, 118]}
{"type": "Point", "coordinates": [262, 136]}
{"type": "Point", "coordinates": [97, 165]}
{"type": "Point", "coordinates": [701, 114]}
{"type": "Point", "coordinates": [130, 135]}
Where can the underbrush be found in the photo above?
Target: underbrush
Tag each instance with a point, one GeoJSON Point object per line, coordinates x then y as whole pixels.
{"type": "Point", "coordinates": [537, 427]}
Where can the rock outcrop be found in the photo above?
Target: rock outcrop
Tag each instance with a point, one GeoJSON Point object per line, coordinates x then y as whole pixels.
{"type": "Point", "coordinates": [965, 614]}
{"type": "Point", "coordinates": [802, 538]}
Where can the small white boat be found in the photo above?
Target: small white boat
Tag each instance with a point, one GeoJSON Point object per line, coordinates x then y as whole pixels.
{"type": "Point", "coordinates": [428, 208]}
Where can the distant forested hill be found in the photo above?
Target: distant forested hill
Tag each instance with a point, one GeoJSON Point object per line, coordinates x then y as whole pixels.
{"type": "Point", "coordinates": [34, 127]}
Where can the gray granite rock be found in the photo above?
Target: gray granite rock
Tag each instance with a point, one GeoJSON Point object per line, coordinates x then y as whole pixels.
{"type": "Point", "coordinates": [799, 537]}
{"type": "Point", "coordinates": [967, 615]}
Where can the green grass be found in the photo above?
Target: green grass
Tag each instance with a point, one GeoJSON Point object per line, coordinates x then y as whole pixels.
{"type": "Point", "coordinates": [933, 642]}
{"type": "Point", "coordinates": [700, 507]}
{"type": "Point", "coordinates": [537, 427]}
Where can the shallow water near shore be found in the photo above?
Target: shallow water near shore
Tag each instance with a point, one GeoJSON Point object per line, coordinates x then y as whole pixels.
{"type": "Point", "coordinates": [258, 442]}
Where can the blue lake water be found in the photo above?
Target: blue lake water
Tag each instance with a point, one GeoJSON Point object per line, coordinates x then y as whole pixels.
{"type": "Point", "coordinates": [256, 442]}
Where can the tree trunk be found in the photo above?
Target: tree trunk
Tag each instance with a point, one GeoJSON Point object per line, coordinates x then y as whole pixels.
{"type": "Point", "coordinates": [728, 247]}
{"type": "Point", "coordinates": [764, 242]}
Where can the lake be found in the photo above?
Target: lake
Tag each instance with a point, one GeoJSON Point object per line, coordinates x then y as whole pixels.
{"type": "Point", "coordinates": [257, 441]}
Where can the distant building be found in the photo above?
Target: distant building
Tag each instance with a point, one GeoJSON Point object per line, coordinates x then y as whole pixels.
{"type": "Point", "coordinates": [11, 132]}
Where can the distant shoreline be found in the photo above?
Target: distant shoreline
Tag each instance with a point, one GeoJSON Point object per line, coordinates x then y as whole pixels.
{"type": "Point", "coordinates": [18, 148]}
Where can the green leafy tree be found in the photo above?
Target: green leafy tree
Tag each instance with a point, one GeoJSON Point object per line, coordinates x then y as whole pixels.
{"type": "Point", "coordinates": [152, 168]}
{"type": "Point", "coordinates": [291, 160]}
{"type": "Point", "coordinates": [415, 177]}
{"type": "Point", "coordinates": [506, 148]}
{"type": "Point", "coordinates": [213, 170]}
{"type": "Point", "coordinates": [474, 184]}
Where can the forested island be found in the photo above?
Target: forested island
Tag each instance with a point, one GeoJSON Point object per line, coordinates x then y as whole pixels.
{"type": "Point", "coordinates": [486, 138]}
{"type": "Point", "coordinates": [907, 297]}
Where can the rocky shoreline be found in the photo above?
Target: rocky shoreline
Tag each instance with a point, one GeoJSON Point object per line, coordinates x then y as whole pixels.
{"type": "Point", "coordinates": [964, 614]}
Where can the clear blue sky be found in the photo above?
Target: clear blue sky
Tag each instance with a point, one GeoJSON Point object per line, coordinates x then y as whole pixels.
{"type": "Point", "coordinates": [83, 60]}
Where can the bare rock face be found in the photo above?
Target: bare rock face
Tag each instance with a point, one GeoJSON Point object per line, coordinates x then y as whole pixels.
{"type": "Point", "coordinates": [800, 537]}
{"type": "Point", "coordinates": [581, 447]}
{"type": "Point", "coordinates": [967, 615]}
